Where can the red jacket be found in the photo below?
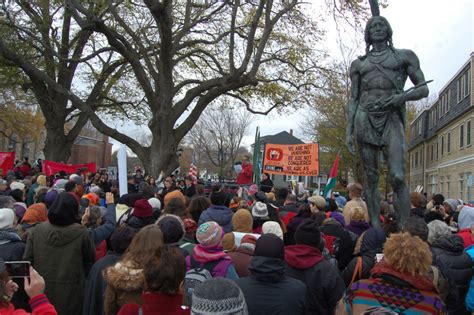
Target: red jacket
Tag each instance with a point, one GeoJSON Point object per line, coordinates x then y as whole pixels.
{"type": "Point", "coordinates": [157, 304]}
{"type": "Point", "coordinates": [39, 304]}
{"type": "Point", "coordinates": [245, 178]}
{"type": "Point", "coordinates": [466, 237]}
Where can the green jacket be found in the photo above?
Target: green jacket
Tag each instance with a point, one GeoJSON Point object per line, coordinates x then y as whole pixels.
{"type": "Point", "coordinates": [63, 255]}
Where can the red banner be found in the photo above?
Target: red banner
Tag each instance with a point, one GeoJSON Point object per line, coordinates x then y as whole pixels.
{"type": "Point", "coordinates": [7, 160]}
{"type": "Point", "coordinates": [51, 168]}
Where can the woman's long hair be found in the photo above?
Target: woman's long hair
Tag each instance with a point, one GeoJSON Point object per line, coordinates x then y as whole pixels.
{"type": "Point", "coordinates": [145, 246]}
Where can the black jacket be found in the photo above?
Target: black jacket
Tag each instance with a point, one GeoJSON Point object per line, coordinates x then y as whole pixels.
{"type": "Point", "coordinates": [324, 284]}
{"type": "Point", "coordinates": [368, 262]}
{"type": "Point", "coordinates": [189, 191]}
{"type": "Point", "coordinates": [450, 251]}
{"type": "Point", "coordinates": [268, 291]}
{"type": "Point", "coordinates": [342, 245]}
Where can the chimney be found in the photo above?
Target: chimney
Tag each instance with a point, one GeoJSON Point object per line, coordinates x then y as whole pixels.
{"type": "Point", "coordinates": [291, 131]}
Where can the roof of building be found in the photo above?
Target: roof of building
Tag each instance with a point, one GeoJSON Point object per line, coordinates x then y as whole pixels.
{"type": "Point", "coordinates": [283, 137]}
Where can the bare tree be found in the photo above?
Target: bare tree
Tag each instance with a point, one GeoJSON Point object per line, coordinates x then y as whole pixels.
{"type": "Point", "coordinates": [219, 133]}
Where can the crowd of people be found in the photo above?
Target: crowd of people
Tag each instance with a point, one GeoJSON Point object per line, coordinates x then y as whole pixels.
{"type": "Point", "coordinates": [168, 247]}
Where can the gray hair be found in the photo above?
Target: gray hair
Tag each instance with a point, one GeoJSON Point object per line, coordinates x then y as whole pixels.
{"type": "Point", "coordinates": [6, 202]}
{"type": "Point", "coordinates": [436, 230]}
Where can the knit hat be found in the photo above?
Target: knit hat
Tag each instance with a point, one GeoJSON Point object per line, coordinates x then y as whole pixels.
{"type": "Point", "coordinates": [17, 185]}
{"type": "Point", "coordinates": [95, 189]}
{"type": "Point", "coordinates": [59, 184]}
{"type": "Point", "coordinates": [270, 246]}
{"type": "Point", "coordinates": [272, 227]}
{"type": "Point", "coordinates": [466, 217]}
{"type": "Point", "coordinates": [7, 217]}
{"type": "Point", "coordinates": [35, 213]}
{"type": "Point", "coordinates": [172, 195]}
{"type": "Point", "coordinates": [155, 203]}
{"type": "Point", "coordinates": [228, 242]}
{"type": "Point", "coordinates": [218, 296]}
{"type": "Point", "coordinates": [453, 204]}
{"type": "Point", "coordinates": [172, 228]}
{"type": "Point", "coordinates": [259, 210]}
{"type": "Point", "coordinates": [307, 233]}
{"type": "Point", "coordinates": [248, 241]}
{"type": "Point", "coordinates": [41, 180]}
{"type": "Point", "coordinates": [64, 210]}
{"type": "Point", "coordinates": [318, 201]}
{"type": "Point", "coordinates": [252, 190]}
{"type": "Point", "coordinates": [242, 221]}
{"type": "Point", "coordinates": [341, 201]}
{"type": "Point", "coordinates": [93, 198]}
{"type": "Point", "coordinates": [338, 217]}
{"type": "Point", "coordinates": [50, 197]}
{"type": "Point", "coordinates": [209, 234]}
{"type": "Point", "coordinates": [436, 230]}
{"type": "Point", "coordinates": [142, 209]}
{"type": "Point", "coordinates": [218, 197]}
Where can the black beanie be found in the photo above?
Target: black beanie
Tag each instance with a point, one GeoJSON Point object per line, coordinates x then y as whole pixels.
{"type": "Point", "coordinates": [307, 233]}
{"type": "Point", "coordinates": [271, 246]}
{"type": "Point", "coordinates": [172, 228]}
{"type": "Point", "coordinates": [218, 197]}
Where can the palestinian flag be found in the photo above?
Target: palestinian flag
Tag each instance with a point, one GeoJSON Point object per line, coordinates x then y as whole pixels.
{"type": "Point", "coordinates": [332, 178]}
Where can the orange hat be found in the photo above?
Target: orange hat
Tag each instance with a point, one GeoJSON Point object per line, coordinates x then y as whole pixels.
{"type": "Point", "coordinates": [174, 194]}
{"type": "Point", "coordinates": [35, 213]}
{"type": "Point", "coordinates": [93, 199]}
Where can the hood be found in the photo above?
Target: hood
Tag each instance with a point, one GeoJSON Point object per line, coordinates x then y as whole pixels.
{"type": "Point", "coordinates": [302, 256]}
{"type": "Point", "coordinates": [60, 235]}
{"type": "Point", "coordinates": [267, 269]}
{"type": "Point", "coordinates": [220, 214]}
{"type": "Point", "coordinates": [372, 241]}
{"type": "Point", "coordinates": [450, 243]}
{"type": "Point", "coordinates": [466, 217]}
{"type": "Point", "coordinates": [123, 276]}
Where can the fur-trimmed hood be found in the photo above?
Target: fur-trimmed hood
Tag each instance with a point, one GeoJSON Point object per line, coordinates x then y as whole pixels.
{"type": "Point", "coordinates": [124, 276]}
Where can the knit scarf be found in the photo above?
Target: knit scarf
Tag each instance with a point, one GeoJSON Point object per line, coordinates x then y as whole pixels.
{"type": "Point", "coordinates": [8, 235]}
{"type": "Point", "coordinates": [419, 281]}
{"type": "Point", "coordinates": [206, 254]}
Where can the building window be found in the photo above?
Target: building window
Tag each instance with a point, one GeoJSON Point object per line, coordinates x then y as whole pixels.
{"type": "Point", "coordinates": [448, 186]}
{"type": "Point", "coordinates": [437, 149]}
{"type": "Point", "coordinates": [461, 136]}
{"type": "Point", "coordinates": [467, 83]}
{"type": "Point", "coordinates": [468, 132]}
{"type": "Point", "coordinates": [441, 185]}
{"type": "Point", "coordinates": [416, 158]}
{"type": "Point", "coordinates": [461, 186]}
{"type": "Point", "coordinates": [442, 145]}
{"type": "Point", "coordinates": [449, 142]}
{"type": "Point", "coordinates": [433, 184]}
{"type": "Point", "coordinates": [431, 152]}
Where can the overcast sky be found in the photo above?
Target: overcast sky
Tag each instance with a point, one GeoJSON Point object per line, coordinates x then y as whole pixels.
{"type": "Point", "coordinates": [440, 32]}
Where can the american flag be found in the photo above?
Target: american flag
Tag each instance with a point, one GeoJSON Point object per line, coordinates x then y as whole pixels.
{"type": "Point", "coordinates": [193, 170]}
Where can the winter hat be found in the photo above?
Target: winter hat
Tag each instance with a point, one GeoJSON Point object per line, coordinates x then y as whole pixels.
{"type": "Point", "coordinates": [260, 196]}
{"type": "Point", "coordinates": [228, 242]}
{"type": "Point", "coordinates": [248, 241]}
{"type": "Point", "coordinates": [76, 178]}
{"type": "Point", "coordinates": [35, 213]}
{"type": "Point", "coordinates": [218, 197]}
{"type": "Point", "coordinates": [270, 246]}
{"type": "Point", "coordinates": [172, 195]}
{"type": "Point", "coordinates": [95, 189]}
{"type": "Point", "coordinates": [436, 230]}
{"type": "Point", "coordinates": [190, 226]}
{"type": "Point", "coordinates": [218, 296]}
{"type": "Point", "coordinates": [259, 210]}
{"type": "Point", "coordinates": [318, 201]}
{"type": "Point", "coordinates": [142, 209]}
{"type": "Point", "coordinates": [93, 198]}
{"type": "Point", "coordinates": [7, 217]}
{"type": "Point", "coordinates": [466, 217]}
{"type": "Point", "coordinates": [17, 185]}
{"type": "Point", "coordinates": [64, 210]}
{"type": "Point", "coordinates": [41, 180]}
{"type": "Point", "coordinates": [209, 234]}
{"type": "Point", "coordinates": [453, 204]}
{"type": "Point", "coordinates": [50, 197]}
{"type": "Point", "coordinates": [155, 203]}
{"type": "Point", "coordinates": [373, 240]}
{"type": "Point", "coordinates": [273, 228]}
{"type": "Point", "coordinates": [172, 228]}
{"type": "Point", "coordinates": [341, 201]}
{"type": "Point", "coordinates": [59, 184]}
{"type": "Point", "coordinates": [307, 233]}
{"type": "Point", "coordinates": [252, 190]}
{"type": "Point", "coordinates": [242, 221]}
{"type": "Point", "coordinates": [338, 217]}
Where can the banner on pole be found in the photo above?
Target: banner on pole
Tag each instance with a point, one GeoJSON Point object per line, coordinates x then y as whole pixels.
{"type": "Point", "coordinates": [7, 159]}
{"type": "Point", "coordinates": [291, 159]}
{"type": "Point", "coordinates": [51, 168]}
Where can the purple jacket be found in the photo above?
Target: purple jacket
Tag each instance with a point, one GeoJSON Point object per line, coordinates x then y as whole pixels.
{"type": "Point", "coordinates": [358, 227]}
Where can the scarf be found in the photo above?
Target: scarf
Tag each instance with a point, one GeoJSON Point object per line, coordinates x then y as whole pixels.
{"type": "Point", "coordinates": [9, 235]}
{"type": "Point", "coordinates": [206, 254]}
{"type": "Point", "coordinates": [420, 282]}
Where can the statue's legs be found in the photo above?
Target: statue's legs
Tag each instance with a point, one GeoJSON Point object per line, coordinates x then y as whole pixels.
{"type": "Point", "coordinates": [370, 161]}
{"type": "Point", "coordinates": [394, 153]}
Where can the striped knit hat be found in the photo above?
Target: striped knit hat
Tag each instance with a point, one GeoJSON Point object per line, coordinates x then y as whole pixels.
{"type": "Point", "coordinates": [218, 296]}
{"type": "Point", "coordinates": [209, 234]}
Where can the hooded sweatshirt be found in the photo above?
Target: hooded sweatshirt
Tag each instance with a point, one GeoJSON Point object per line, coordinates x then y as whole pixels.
{"type": "Point", "coordinates": [220, 214]}
{"type": "Point", "coordinates": [325, 286]}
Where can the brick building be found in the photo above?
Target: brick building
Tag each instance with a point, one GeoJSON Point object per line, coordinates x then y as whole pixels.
{"type": "Point", "coordinates": [441, 150]}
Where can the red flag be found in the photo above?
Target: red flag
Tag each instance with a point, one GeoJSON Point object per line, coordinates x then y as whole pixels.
{"type": "Point", "coordinates": [7, 160]}
{"type": "Point", "coordinates": [51, 168]}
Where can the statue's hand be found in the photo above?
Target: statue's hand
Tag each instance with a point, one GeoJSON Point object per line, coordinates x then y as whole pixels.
{"type": "Point", "coordinates": [394, 101]}
{"type": "Point", "coordinates": [350, 145]}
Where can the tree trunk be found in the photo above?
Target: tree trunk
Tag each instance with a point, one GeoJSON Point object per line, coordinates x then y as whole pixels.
{"type": "Point", "coordinates": [57, 146]}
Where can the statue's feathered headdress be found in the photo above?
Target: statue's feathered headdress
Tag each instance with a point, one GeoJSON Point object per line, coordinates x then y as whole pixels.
{"type": "Point", "coordinates": [374, 7]}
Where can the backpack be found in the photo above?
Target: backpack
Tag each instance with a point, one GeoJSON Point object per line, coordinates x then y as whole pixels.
{"type": "Point", "coordinates": [198, 274]}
